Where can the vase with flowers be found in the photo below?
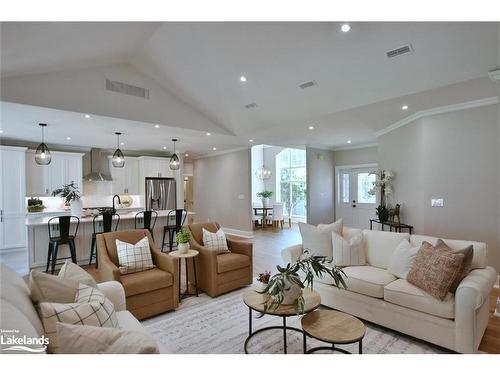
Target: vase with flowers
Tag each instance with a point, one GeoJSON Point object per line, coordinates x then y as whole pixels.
{"type": "Point", "coordinates": [383, 184]}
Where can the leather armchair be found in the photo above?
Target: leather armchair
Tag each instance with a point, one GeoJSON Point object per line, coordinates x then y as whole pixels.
{"type": "Point", "coordinates": [147, 293]}
{"type": "Point", "coordinates": [221, 273]}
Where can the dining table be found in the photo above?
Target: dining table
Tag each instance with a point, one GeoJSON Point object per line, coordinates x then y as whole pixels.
{"type": "Point", "coordinates": [265, 213]}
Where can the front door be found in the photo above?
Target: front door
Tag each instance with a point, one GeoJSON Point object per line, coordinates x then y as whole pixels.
{"type": "Point", "coordinates": [354, 203]}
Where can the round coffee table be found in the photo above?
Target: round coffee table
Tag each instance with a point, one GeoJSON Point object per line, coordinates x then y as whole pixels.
{"type": "Point", "coordinates": [255, 302]}
{"type": "Point", "coordinates": [190, 254]}
{"type": "Point", "coordinates": [333, 327]}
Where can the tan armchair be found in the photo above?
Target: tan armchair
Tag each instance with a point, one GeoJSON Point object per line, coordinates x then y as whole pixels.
{"type": "Point", "coordinates": [221, 273]}
{"type": "Point", "coordinates": [148, 292]}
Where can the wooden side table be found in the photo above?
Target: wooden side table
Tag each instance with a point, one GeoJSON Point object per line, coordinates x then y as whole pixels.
{"type": "Point", "coordinates": [333, 327]}
{"type": "Point", "coordinates": [191, 254]}
{"type": "Point", "coordinates": [255, 301]}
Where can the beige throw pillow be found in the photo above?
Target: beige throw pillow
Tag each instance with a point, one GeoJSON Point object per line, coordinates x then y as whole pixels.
{"type": "Point", "coordinates": [90, 307]}
{"type": "Point", "coordinates": [77, 339]}
{"type": "Point", "coordinates": [468, 253]}
{"type": "Point", "coordinates": [348, 252]}
{"type": "Point", "coordinates": [215, 241]}
{"type": "Point", "coordinates": [51, 288]}
{"type": "Point", "coordinates": [72, 271]}
{"type": "Point", "coordinates": [134, 257]}
{"type": "Point", "coordinates": [402, 259]}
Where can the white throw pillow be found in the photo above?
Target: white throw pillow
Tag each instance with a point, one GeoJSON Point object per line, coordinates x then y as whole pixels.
{"type": "Point", "coordinates": [215, 241]}
{"type": "Point", "coordinates": [348, 252]}
{"type": "Point", "coordinates": [91, 308]}
{"type": "Point", "coordinates": [134, 257]}
{"type": "Point", "coordinates": [72, 271]}
{"type": "Point", "coordinates": [402, 259]}
{"type": "Point", "coordinates": [318, 239]}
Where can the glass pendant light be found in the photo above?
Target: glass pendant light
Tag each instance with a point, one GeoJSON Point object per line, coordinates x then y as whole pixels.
{"type": "Point", "coordinates": [174, 159]}
{"type": "Point", "coordinates": [263, 173]}
{"type": "Point", "coordinates": [118, 159]}
{"type": "Point", "coordinates": [42, 154]}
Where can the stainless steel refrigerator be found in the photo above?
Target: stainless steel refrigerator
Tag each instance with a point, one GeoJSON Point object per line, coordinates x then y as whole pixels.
{"type": "Point", "coordinates": [160, 193]}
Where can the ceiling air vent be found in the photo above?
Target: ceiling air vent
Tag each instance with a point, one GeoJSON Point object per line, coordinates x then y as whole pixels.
{"type": "Point", "coordinates": [124, 88]}
{"type": "Point", "coordinates": [251, 106]}
{"type": "Point", "coordinates": [306, 85]}
{"type": "Point", "coordinates": [399, 51]}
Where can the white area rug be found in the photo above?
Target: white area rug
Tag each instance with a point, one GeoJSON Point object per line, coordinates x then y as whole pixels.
{"type": "Point", "coordinates": [220, 325]}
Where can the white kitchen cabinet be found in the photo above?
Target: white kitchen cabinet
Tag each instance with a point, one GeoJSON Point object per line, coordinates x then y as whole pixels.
{"type": "Point", "coordinates": [12, 202]}
{"type": "Point", "coordinates": [126, 179]}
{"type": "Point", "coordinates": [64, 168]}
{"type": "Point", "coordinates": [150, 166]}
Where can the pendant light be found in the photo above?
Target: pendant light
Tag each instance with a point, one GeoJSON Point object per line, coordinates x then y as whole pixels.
{"type": "Point", "coordinates": [42, 154]}
{"type": "Point", "coordinates": [118, 159]}
{"type": "Point", "coordinates": [263, 173]}
{"type": "Point", "coordinates": [174, 159]}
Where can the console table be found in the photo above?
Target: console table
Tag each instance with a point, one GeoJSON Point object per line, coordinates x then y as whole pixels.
{"type": "Point", "coordinates": [392, 224]}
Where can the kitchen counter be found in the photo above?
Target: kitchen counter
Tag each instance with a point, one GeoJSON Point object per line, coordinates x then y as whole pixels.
{"type": "Point", "coordinates": [38, 237]}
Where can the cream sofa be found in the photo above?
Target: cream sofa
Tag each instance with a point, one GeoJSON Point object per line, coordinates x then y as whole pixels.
{"type": "Point", "coordinates": [18, 313]}
{"type": "Point", "coordinates": [457, 323]}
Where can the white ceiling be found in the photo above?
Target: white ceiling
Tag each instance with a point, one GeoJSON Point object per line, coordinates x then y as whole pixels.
{"type": "Point", "coordinates": [359, 92]}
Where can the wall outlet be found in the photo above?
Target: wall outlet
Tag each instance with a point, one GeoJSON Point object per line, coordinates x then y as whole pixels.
{"type": "Point", "coordinates": [437, 202]}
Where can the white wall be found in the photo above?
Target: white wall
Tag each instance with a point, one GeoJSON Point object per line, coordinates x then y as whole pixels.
{"type": "Point", "coordinates": [320, 186]}
{"type": "Point", "coordinates": [257, 183]}
{"type": "Point", "coordinates": [222, 190]}
{"type": "Point", "coordinates": [355, 156]}
{"type": "Point", "coordinates": [454, 156]}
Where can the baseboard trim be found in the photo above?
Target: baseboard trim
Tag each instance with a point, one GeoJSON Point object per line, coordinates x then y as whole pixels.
{"type": "Point", "coordinates": [238, 232]}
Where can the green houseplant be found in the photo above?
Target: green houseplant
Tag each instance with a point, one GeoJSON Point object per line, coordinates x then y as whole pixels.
{"type": "Point", "coordinates": [183, 237]}
{"type": "Point", "coordinates": [286, 286]}
{"type": "Point", "coordinates": [71, 195]}
{"type": "Point", "coordinates": [265, 195]}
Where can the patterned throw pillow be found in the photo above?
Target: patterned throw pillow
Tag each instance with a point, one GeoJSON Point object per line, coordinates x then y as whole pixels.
{"type": "Point", "coordinates": [215, 241]}
{"type": "Point", "coordinates": [435, 271]}
{"type": "Point", "coordinates": [134, 257]}
{"type": "Point", "coordinates": [468, 253]}
{"type": "Point", "coordinates": [90, 308]}
{"type": "Point", "coordinates": [348, 252]}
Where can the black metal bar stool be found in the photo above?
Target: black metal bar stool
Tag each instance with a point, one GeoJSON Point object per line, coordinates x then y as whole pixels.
{"type": "Point", "coordinates": [64, 238]}
{"type": "Point", "coordinates": [107, 224]}
{"type": "Point", "coordinates": [147, 216]}
{"type": "Point", "coordinates": [180, 218]}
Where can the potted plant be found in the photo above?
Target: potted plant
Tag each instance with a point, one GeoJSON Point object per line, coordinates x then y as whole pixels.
{"type": "Point", "coordinates": [265, 195]}
{"type": "Point", "coordinates": [263, 278]}
{"type": "Point", "coordinates": [183, 238]}
{"type": "Point", "coordinates": [286, 287]}
{"type": "Point", "coordinates": [383, 183]}
{"type": "Point", "coordinates": [71, 196]}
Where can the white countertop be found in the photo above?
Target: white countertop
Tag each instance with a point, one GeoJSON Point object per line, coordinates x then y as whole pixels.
{"type": "Point", "coordinates": [125, 214]}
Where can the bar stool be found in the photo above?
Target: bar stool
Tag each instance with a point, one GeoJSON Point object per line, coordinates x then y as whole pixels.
{"type": "Point", "coordinates": [107, 224]}
{"type": "Point", "coordinates": [146, 221]}
{"type": "Point", "coordinates": [64, 238]}
{"type": "Point", "coordinates": [180, 218]}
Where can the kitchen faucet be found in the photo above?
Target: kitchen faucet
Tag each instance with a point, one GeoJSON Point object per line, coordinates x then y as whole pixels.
{"type": "Point", "coordinates": [119, 201]}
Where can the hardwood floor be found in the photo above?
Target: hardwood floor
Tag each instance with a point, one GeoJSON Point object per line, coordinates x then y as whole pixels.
{"type": "Point", "coordinates": [269, 242]}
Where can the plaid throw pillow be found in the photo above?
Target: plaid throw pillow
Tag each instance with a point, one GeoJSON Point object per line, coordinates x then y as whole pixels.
{"type": "Point", "coordinates": [215, 241]}
{"type": "Point", "coordinates": [90, 308]}
{"type": "Point", "coordinates": [134, 258]}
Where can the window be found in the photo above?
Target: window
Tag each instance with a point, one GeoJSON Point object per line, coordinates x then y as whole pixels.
{"type": "Point", "coordinates": [365, 184]}
{"type": "Point", "coordinates": [345, 188]}
{"type": "Point", "coordinates": [291, 180]}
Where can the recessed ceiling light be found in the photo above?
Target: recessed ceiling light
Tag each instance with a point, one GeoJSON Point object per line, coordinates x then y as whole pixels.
{"type": "Point", "coordinates": [157, 126]}
{"type": "Point", "coordinates": [68, 138]}
{"type": "Point", "coordinates": [214, 148]}
{"type": "Point", "coordinates": [164, 147]}
{"type": "Point", "coordinates": [345, 27]}
{"type": "Point", "coordinates": [349, 141]}
{"type": "Point", "coordinates": [87, 116]}
{"type": "Point", "coordinates": [243, 79]}
{"type": "Point", "coordinates": [250, 140]}
{"type": "Point", "coordinates": [404, 108]}
{"type": "Point", "coordinates": [1, 131]}
{"type": "Point", "coordinates": [209, 134]}
{"type": "Point", "coordinates": [186, 155]}
{"type": "Point", "coordinates": [122, 143]}
{"type": "Point", "coordinates": [311, 127]}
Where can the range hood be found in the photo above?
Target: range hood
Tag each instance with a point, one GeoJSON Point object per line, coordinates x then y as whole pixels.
{"type": "Point", "coordinates": [96, 172]}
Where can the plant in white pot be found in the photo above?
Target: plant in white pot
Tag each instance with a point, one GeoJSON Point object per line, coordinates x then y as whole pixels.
{"type": "Point", "coordinates": [263, 279]}
{"type": "Point", "coordinates": [71, 196]}
{"type": "Point", "coordinates": [265, 195]}
{"type": "Point", "coordinates": [183, 238]}
{"type": "Point", "coordinates": [286, 287]}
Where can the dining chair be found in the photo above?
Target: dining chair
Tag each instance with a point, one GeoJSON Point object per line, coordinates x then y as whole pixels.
{"type": "Point", "coordinates": [277, 215]}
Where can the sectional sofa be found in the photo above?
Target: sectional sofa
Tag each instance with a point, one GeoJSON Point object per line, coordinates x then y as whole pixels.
{"type": "Point", "coordinates": [457, 323]}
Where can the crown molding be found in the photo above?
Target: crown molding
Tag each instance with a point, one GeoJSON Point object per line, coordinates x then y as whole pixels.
{"type": "Point", "coordinates": [354, 147]}
{"type": "Point", "coordinates": [495, 75]}
{"type": "Point", "coordinates": [438, 110]}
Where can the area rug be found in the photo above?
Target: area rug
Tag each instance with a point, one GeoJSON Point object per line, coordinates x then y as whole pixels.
{"type": "Point", "coordinates": [205, 325]}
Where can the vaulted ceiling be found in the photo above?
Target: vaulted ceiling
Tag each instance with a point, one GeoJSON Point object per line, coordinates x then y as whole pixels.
{"type": "Point", "coordinates": [359, 90]}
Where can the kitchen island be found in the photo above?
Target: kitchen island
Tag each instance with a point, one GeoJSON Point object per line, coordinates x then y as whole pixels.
{"type": "Point", "coordinates": [38, 235]}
